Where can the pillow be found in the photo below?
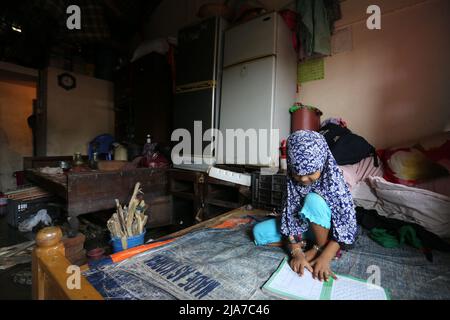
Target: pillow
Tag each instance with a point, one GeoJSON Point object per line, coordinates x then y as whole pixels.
{"type": "Point", "coordinates": [420, 162]}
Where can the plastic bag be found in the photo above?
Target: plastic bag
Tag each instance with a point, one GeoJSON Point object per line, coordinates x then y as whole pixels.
{"type": "Point", "coordinates": [41, 216]}
{"type": "Point", "coordinates": [160, 46]}
{"type": "Point", "coordinates": [152, 158]}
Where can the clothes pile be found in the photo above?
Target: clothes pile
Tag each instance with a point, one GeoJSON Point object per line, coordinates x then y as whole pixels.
{"type": "Point", "coordinates": [393, 233]}
{"type": "Point", "coordinates": [356, 157]}
{"type": "Point", "coordinates": [346, 146]}
{"type": "Point", "coordinates": [399, 200]}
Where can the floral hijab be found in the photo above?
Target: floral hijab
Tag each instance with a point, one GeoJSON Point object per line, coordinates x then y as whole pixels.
{"type": "Point", "coordinates": [308, 153]}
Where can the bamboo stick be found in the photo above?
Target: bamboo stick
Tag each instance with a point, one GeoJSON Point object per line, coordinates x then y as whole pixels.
{"type": "Point", "coordinates": [129, 221]}
{"type": "Point", "coordinates": [132, 208]}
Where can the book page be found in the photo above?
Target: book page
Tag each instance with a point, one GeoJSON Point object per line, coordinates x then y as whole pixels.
{"type": "Point", "coordinates": [350, 289]}
{"type": "Point", "coordinates": [290, 285]}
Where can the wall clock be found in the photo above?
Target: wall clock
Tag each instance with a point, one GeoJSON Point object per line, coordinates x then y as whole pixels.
{"type": "Point", "coordinates": [67, 81]}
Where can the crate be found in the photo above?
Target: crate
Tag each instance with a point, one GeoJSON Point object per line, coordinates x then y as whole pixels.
{"type": "Point", "coordinates": [21, 209]}
{"type": "Point", "coordinates": [269, 191]}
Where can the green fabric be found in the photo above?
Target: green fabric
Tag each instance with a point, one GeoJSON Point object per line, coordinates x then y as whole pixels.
{"type": "Point", "coordinates": [384, 238]}
{"type": "Point", "coordinates": [315, 34]}
{"type": "Point", "coordinates": [406, 234]}
{"type": "Point", "coordinates": [305, 9]}
{"type": "Point", "coordinates": [296, 107]}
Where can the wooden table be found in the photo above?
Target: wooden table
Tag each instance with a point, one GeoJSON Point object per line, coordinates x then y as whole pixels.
{"type": "Point", "coordinates": [93, 191]}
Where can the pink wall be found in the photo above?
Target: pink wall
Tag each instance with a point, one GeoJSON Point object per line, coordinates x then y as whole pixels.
{"type": "Point", "coordinates": [393, 86]}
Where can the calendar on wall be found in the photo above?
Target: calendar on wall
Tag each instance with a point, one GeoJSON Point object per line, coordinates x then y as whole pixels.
{"type": "Point", "coordinates": [311, 70]}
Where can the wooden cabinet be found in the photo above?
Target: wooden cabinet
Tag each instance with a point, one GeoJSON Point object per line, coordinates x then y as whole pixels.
{"type": "Point", "coordinates": [187, 190]}
{"type": "Point", "coordinates": [198, 197]}
{"type": "Point", "coordinates": [144, 100]}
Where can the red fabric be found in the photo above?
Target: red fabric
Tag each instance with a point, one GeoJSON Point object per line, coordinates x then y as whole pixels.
{"type": "Point", "coordinates": [439, 153]}
{"type": "Point", "coordinates": [156, 160]}
{"type": "Point", "coordinates": [388, 173]}
{"type": "Point", "coordinates": [291, 19]}
{"type": "Point", "coordinates": [438, 166]}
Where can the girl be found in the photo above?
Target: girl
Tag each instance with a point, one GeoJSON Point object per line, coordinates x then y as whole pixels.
{"type": "Point", "coordinates": [318, 207]}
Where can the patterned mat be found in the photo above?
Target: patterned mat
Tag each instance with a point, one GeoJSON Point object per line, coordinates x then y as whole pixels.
{"type": "Point", "coordinates": [222, 264]}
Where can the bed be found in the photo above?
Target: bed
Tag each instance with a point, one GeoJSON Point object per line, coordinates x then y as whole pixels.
{"type": "Point", "coordinates": [49, 264]}
{"type": "Point", "coordinates": [217, 260]}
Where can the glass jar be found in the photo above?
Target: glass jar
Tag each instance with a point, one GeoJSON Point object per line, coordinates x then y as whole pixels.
{"type": "Point", "coordinates": [77, 159]}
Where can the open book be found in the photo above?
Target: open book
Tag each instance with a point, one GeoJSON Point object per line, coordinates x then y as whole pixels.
{"type": "Point", "coordinates": [287, 284]}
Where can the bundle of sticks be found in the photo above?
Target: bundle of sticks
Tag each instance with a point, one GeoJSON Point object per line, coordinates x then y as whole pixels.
{"type": "Point", "coordinates": [129, 221]}
{"type": "Point", "coordinates": [17, 254]}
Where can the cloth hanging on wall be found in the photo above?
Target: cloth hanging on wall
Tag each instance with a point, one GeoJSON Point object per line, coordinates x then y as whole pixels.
{"type": "Point", "coordinates": [334, 12]}
{"type": "Point", "coordinates": [316, 25]}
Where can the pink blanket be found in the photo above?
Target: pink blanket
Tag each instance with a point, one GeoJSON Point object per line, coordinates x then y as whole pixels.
{"type": "Point", "coordinates": [355, 173]}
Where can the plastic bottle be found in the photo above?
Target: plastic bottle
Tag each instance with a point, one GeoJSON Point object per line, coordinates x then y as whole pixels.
{"type": "Point", "coordinates": [148, 145]}
{"type": "Point", "coordinates": [283, 155]}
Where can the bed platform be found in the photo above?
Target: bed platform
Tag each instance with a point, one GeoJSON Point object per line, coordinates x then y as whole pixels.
{"type": "Point", "coordinates": [217, 260]}
{"type": "Point", "coordinates": [49, 264]}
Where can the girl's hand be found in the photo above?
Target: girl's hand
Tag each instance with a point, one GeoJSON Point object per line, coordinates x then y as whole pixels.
{"type": "Point", "coordinates": [311, 255]}
{"type": "Point", "coordinates": [298, 263]}
{"type": "Point", "coordinates": [322, 270]}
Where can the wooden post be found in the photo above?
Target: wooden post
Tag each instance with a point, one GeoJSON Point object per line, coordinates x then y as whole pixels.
{"type": "Point", "coordinates": [50, 270]}
{"type": "Point", "coordinates": [48, 243]}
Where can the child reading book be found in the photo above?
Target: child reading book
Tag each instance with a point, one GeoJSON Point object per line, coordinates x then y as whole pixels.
{"type": "Point", "coordinates": [319, 207]}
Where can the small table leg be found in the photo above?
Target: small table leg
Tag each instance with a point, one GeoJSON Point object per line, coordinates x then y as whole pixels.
{"type": "Point", "coordinates": [74, 224]}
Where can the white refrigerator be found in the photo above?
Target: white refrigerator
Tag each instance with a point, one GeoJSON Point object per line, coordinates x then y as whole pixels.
{"type": "Point", "coordinates": [259, 86]}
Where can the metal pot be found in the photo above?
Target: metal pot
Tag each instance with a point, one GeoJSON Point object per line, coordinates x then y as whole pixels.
{"type": "Point", "coordinates": [64, 165]}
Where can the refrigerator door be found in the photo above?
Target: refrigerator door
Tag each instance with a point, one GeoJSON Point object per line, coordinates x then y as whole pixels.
{"type": "Point", "coordinates": [196, 56]}
{"type": "Point", "coordinates": [191, 107]}
{"type": "Point", "coordinates": [199, 72]}
{"type": "Point", "coordinates": [251, 40]}
{"type": "Point", "coordinates": [247, 103]}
